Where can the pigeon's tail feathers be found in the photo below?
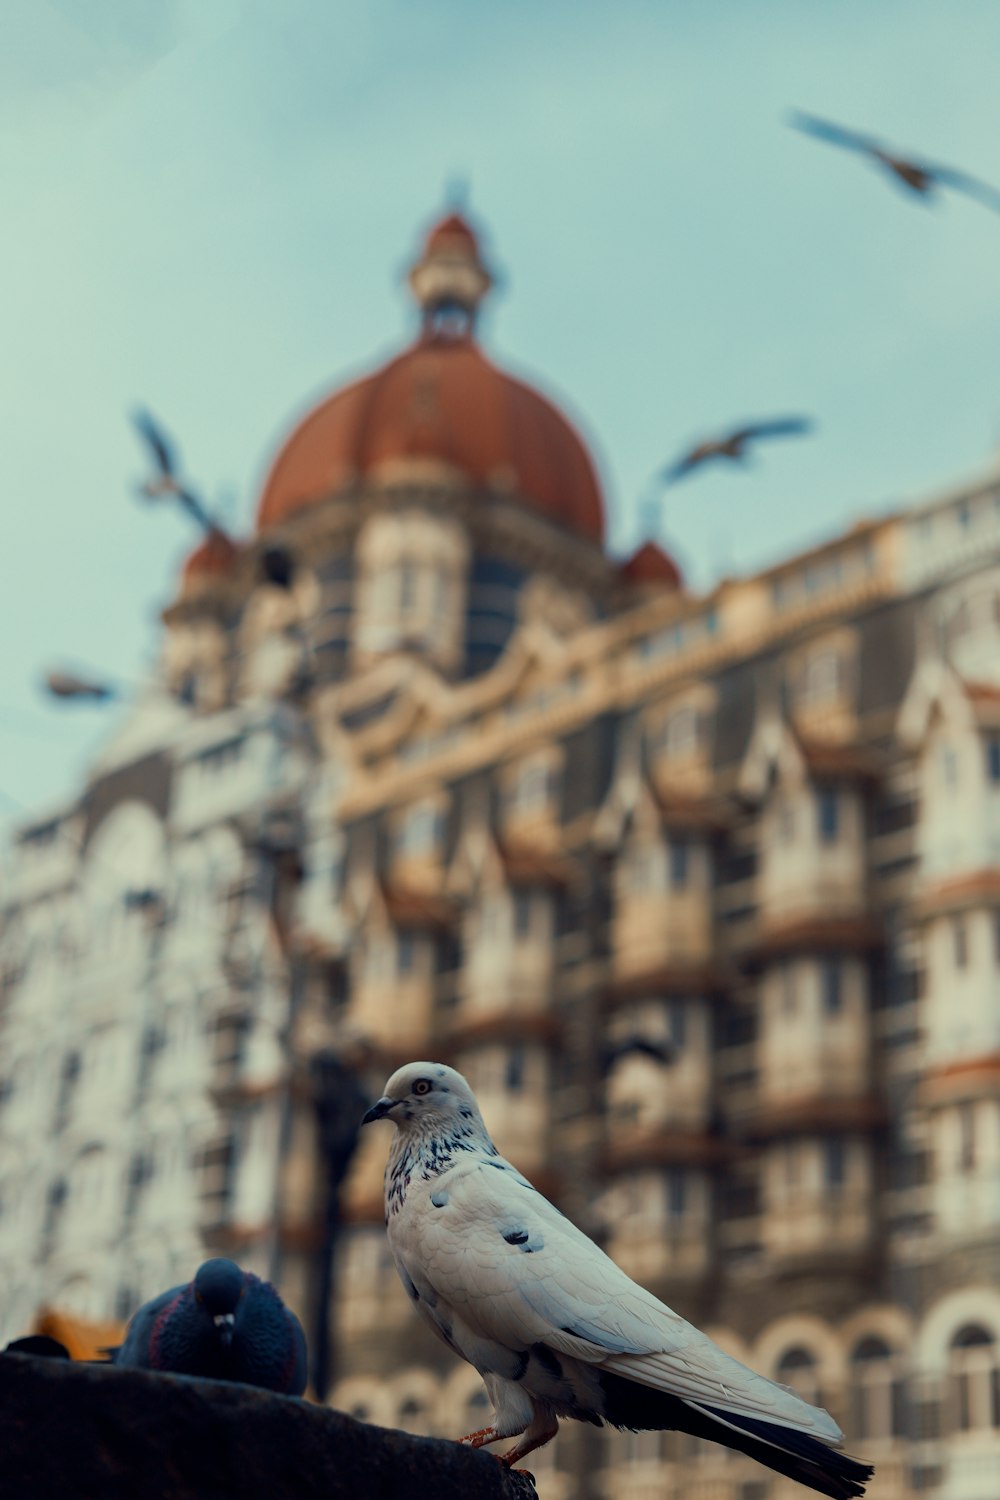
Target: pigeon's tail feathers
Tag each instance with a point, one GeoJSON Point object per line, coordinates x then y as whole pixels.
{"type": "Point", "coordinates": [807, 1460]}
{"type": "Point", "coordinates": [801, 1457]}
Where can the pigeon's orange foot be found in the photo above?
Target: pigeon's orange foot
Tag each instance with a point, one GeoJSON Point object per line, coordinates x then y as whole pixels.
{"type": "Point", "coordinates": [481, 1438]}
{"type": "Point", "coordinates": [537, 1435]}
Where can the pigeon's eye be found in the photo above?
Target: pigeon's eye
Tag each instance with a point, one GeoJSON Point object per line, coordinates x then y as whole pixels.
{"type": "Point", "coordinates": [422, 1086]}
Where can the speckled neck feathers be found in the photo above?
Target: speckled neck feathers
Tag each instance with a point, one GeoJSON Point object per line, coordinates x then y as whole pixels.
{"type": "Point", "coordinates": [425, 1148]}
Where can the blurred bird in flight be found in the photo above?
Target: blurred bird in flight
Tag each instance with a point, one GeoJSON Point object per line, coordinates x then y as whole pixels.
{"type": "Point", "coordinates": [166, 482]}
{"type": "Point", "coordinates": [920, 177]}
{"type": "Point", "coordinates": [732, 445]}
{"type": "Point", "coordinates": [69, 685]}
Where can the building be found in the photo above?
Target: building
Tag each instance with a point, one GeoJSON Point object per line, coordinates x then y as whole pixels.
{"type": "Point", "coordinates": [701, 892]}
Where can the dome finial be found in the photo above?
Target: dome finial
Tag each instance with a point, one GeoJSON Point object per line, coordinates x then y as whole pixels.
{"type": "Point", "coordinates": [450, 279]}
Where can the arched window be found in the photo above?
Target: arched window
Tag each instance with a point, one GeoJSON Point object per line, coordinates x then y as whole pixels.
{"type": "Point", "coordinates": [974, 1379]}
{"type": "Point", "coordinates": [797, 1368]}
{"type": "Point", "coordinates": [415, 1417]}
{"type": "Point", "coordinates": [877, 1392]}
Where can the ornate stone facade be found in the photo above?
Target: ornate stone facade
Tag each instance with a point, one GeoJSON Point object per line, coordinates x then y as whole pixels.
{"type": "Point", "coordinates": [702, 892]}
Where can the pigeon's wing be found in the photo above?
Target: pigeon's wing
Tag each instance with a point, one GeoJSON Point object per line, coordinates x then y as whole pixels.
{"type": "Point", "coordinates": [775, 427]}
{"type": "Point", "coordinates": [834, 135]}
{"type": "Point", "coordinates": [134, 1348]}
{"type": "Point", "coordinates": [974, 187]}
{"type": "Point", "coordinates": [151, 434]}
{"type": "Point", "coordinates": [518, 1273]}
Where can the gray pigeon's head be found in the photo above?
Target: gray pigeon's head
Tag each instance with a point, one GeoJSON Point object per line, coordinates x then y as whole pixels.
{"type": "Point", "coordinates": [218, 1286]}
{"type": "Point", "coordinates": [422, 1094]}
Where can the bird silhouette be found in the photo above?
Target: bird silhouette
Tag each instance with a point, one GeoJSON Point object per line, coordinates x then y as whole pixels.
{"type": "Point", "coordinates": [226, 1324]}
{"type": "Point", "coordinates": [69, 685]}
{"type": "Point", "coordinates": [919, 177]}
{"type": "Point", "coordinates": [643, 1046]}
{"type": "Point", "coordinates": [166, 482]}
{"type": "Point", "coordinates": [733, 445]}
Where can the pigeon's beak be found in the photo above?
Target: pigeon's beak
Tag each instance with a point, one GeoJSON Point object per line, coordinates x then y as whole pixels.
{"type": "Point", "coordinates": [225, 1322]}
{"type": "Point", "coordinates": [379, 1109]}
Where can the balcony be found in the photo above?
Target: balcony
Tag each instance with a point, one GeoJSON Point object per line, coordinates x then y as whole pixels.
{"type": "Point", "coordinates": [664, 934]}
{"type": "Point", "coordinates": [817, 1113]}
{"type": "Point", "coordinates": [630, 1149]}
{"type": "Point", "coordinates": [781, 933]}
{"type": "Point", "coordinates": [830, 1232]}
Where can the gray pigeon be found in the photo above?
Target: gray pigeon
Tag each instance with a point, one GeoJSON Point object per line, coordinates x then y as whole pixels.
{"type": "Point", "coordinates": [226, 1324]}
{"type": "Point", "coordinates": [554, 1327]}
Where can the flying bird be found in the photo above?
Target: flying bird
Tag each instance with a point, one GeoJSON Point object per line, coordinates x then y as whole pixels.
{"type": "Point", "coordinates": [69, 685]}
{"type": "Point", "coordinates": [554, 1327]}
{"type": "Point", "coordinates": [920, 177]}
{"type": "Point", "coordinates": [166, 482]}
{"type": "Point", "coordinates": [226, 1324]}
{"type": "Point", "coordinates": [643, 1046]}
{"type": "Point", "coordinates": [733, 445]}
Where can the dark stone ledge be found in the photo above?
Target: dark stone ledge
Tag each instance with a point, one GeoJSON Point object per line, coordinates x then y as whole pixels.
{"type": "Point", "coordinates": [92, 1432]}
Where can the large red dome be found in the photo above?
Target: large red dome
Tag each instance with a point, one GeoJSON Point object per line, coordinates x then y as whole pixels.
{"type": "Point", "coordinates": [442, 399]}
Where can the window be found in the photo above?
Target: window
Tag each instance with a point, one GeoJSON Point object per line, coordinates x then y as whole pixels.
{"type": "Point", "coordinates": [822, 678]}
{"type": "Point", "coordinates": [877, 1392]}
{"type": "Point", "coordinates": [974, 1380]}
{"type": "Point", "coordinates": [514, 1071]}
{"type": "Point", "coordinates": [959, 942]}
{"type": "Point", "coordinates": [993, 758]}
{"type": "Point", "coordinates": [676, 1195]}
{"type": "Point", "coordinates": [126, 1302]}
{"type": "Point", "coordinates": [533, 788]}
{"type": "Point", "coordinates": [831, 986]}
{"type": "Point", "coordinates": [966, 1138]}
{"type": "Point", "coordinates": [949, 767]}
{"type": "Point", "coordinates": [798, 1369]}
{"type": "Point", "coordinates": [645, 867]}
{"type": "Point", "coordinates": [789, 990]}
{"type": "Point", "coordinates": [407, 587]}
{"type": "Point", "coordinates": [405, 952]}
{"type": "Point", "coordinates": [420, 830]}
{"type": "Point", "coordinates": [680, 734]}
{"type": "Point", "coordinates": [524, 905]}
{"type": "Point", "coordinates": [676, 1024]}
{"type": "Point", "coordinates": [828, 814]}
{"type": "Point", "coordinates": [834, 1162]}
{"type": "Point", "coordinates": [679, 852]}
{"type": "Point", "coordinates": [790, 1156]}
{"type": "Point", "coordinates": [414, 1417]}
{"type": "Point", "coordinates": [67, 1087]}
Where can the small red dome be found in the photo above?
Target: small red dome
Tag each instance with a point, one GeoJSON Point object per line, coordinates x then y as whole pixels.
{"type": "Point", "coordinates": [651, 565]}
{"type": "Point", "coordinates": [441, 399]}
{"type": "Point", "coordinates": [214, 557]}
{"type": "Point", "coordinates": [450, 231]}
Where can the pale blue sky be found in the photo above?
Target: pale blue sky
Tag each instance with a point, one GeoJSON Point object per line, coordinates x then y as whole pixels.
{"type": "Point", "coordinates": [209, 205]}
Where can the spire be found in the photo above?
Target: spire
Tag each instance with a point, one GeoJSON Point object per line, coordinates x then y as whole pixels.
{"type": "Point", "coordinates": [450, 280]}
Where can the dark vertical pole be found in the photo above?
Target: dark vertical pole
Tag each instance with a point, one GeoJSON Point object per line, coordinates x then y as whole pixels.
{"type": "Point", "coordinates": [340, 1101]}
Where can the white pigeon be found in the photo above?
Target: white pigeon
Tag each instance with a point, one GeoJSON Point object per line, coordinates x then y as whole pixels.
{"type": "Point", "coordinates": [553, 1326]}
